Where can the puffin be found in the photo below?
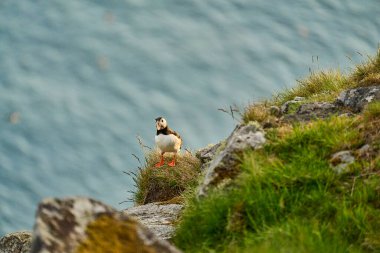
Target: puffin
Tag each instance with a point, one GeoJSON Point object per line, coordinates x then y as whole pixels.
{"type": "Point", "coordinates": [167, 140]}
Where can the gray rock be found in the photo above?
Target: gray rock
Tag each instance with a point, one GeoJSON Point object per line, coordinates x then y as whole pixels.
{"type": "Point", "coordinates": [340, 160]}
{"type": "Point", "coordinates": [158, 218]}
{"type": "Point", "coordinates": [18, 242]}
{"type": "Point", "coordinates": [365, 150]}
{"type": "Point", "coordinates": [311, 111]}
{"type": "Point", "coordinates": [357, 99]}
{"type": "Point", "coordinates": [275, 111]}
{"type": "Point", "coordinates": [346, 114]}
{"type": "Point", "coordinates": [224, 164]}
{"type": "Point", "coordinates": [206, 154]}
{"type": "Point", "coordinates": [67, 225]}
{"type": "Point", "coordinates": [318, 108]}
{"type": "Point", "coordinates": [298, 99]}
{"type": "Point", "coordinates": [354, 100]}
{"type": "Point", "coordinates": [61, 223]}
{"type": "Point", "coordinates": [285, 107]}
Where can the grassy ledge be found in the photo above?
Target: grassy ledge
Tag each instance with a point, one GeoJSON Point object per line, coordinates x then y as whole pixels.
{"type": "Point", "coordinates": [166, 184]}
{"type": "Point", "coordinates": [318, 86]}
{"type": "Point", "coordinates": [287, 197]}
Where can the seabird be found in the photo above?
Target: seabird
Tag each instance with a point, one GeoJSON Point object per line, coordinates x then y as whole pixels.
{"type": "Point", "coordinates": [167, 140]}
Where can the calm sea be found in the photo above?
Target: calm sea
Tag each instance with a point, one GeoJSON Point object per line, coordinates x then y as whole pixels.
{"type": "Point", "coordinates": [79, 80]}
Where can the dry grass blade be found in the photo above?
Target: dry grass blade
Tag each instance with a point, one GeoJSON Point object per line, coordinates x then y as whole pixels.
{"type": "Point", "coordinates": [141, 143]}
{"type": "Point", "coordinates": [231, 111]}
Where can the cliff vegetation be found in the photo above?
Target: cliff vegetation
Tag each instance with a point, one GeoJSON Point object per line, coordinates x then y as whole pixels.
{"type": "Point", "coordinates": [314, 185]}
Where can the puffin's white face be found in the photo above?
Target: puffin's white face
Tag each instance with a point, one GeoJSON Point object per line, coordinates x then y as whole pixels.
{"type": "Point", "coordinates": [161, 123]}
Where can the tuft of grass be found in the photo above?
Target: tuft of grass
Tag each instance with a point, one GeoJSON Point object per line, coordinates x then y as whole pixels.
{"type": "Point", "coordinates": [203, 224]}
{"type": "Point", "coordinates": [318, 86]}
{"type": "Point", "coordinates": [323, 86]}
{"type": "Point", "coordinates": [370, 127]}
{"type": "Point", "coordinates": [165, 183]}
{"type": "Point", "coordinates": [326, 85]}
{"type": "Point", "coordinates": [288, 199]}
{"type": "Point", "coordinates": [371, 79]}
{"type": "Point", "coordinates": [367, 73]}
{"type": "Point", "coordinates": [257, 112]}
{"type": "Point", "coordinates": [298, 235]}
{"type": "Point", "coordinates": [372, 111]}
{"type": "Point", "coordinates": [323, 137]}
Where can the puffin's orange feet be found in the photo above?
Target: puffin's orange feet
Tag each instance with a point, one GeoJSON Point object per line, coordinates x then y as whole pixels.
{"type": "Point", "coordinates": [157, 165]}
{"type": "Point", "coordinates": [162, 162]}
{"type": "Point", "coordinates": [172, 163]}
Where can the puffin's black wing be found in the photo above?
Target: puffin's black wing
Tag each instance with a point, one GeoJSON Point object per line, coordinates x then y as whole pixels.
{"type": "Point", "coordinates": [170, 131]}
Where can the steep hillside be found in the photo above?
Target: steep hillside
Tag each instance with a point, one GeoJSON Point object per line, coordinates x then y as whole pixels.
{"type": "Point", "coordinates": [314, 186]}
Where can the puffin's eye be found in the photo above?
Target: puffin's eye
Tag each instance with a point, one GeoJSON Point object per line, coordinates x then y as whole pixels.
{"type": "Point", "coordinates": [162, 121]}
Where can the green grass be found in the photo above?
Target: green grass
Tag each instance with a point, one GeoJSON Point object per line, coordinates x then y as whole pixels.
{"type": "Point", "coordinates": [166, 183]}
{"type": "Point", "coordinates": [288, 199]}
{"type": "Point", "coordinates": [319, 86]}
{"type": "Point", "coordinates": [368, 72]}
{"type": "Point", "coordinates": [258, 112]}
{"type": "Point", "coordinates": [303, 236]}
{"type": "Point", "coordinates": [371, 128]}
{"type": "Point", "coordinates": [372, 111]}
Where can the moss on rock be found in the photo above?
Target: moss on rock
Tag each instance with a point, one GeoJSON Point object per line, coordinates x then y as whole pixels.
{"type": "Point", "coordinates": [107, 234]}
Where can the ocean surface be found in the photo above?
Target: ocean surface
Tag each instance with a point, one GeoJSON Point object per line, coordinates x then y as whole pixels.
{"type": "Point", "coordinates": [79, 80]}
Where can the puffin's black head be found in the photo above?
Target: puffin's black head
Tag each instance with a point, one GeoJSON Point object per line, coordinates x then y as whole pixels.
{"type": "Point", "coordinates": [161, 123]}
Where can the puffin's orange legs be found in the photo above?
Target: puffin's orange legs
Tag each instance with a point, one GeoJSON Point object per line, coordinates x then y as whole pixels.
{"type": "Point", "coordinates": [162, 162]}
{"type": "Point", "coordinates": [172, 163]}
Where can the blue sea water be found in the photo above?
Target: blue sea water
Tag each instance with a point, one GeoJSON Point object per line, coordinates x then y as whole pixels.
{"type": "Point", "coordinates": [80, 79]}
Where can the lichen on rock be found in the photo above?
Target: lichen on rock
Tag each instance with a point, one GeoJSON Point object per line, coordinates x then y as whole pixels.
{"type": "Point", "coordinates": [18, 242]}
{"type": "Point", "coordinates": [356, 99]}
{"type": "Point", "coordinates": [309, 111]}
{"type": "Point", "coordinates": [61, 223]}
{"type": "Point", "coordinates": [85, 225]}
{"type": "Point", "coordinates": [118, 233]}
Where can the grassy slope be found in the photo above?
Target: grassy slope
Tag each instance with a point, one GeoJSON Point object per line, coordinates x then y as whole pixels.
{"type": "Point", "coordinates": [287, 198]}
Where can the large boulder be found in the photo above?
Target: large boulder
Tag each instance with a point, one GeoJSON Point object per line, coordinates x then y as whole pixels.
{"type": "Point", "coordinates": [18, 242]}
{"type": "Point", "coordinates": [357, 99]}
{"type": "Point", "coordinates": [85, 225]}
{"type": "Point", "coordinates": [158, 218]}
{"type": "Point", "coordinates": [224, 165]}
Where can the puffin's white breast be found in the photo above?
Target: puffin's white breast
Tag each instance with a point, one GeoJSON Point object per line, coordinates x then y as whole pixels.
{"type": "Point", "coordinates": [168, 143]}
